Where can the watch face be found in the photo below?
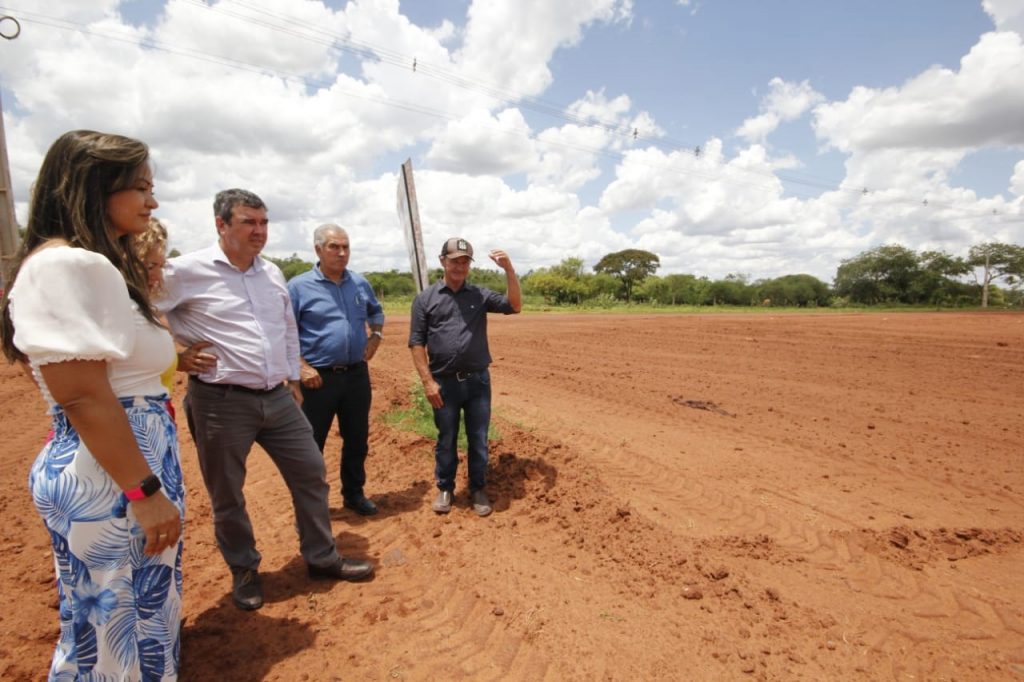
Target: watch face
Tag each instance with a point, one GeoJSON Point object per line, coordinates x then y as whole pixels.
{"type": "Point", "coordinates": [150, 485]}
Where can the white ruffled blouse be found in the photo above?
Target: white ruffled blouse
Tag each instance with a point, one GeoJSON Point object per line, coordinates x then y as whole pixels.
{"type": "Point", "coordinates": [72, 304]}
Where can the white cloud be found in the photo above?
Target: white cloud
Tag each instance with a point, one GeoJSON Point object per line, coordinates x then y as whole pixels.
{"type": "Point", "coordinates": [495, 50]}
{"type": "Point", "coordinates": [784, 102]}
{"type": "Point", "coordinates": [481, 144]}
{"type": "Point", "coordinates": [978, 106]}
{"type": "Point", "coordinates": [1017, 181]}
{"type": "Point", "coordinates": [1008, 15]}
{"type": "Point", "coordinates": [315, 130]}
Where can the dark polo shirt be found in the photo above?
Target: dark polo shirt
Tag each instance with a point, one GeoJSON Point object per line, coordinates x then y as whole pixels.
{"type": "Point", "coordinates": [453, 326]}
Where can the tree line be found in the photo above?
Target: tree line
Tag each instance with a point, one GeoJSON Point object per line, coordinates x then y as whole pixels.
{"type": "Point", "coordinates": [989, 274]}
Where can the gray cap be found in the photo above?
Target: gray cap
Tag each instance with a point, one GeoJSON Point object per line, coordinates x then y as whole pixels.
{"type": "Point", "coordinates": [455, 247]}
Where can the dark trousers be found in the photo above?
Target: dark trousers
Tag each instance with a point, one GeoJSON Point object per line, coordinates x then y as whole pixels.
{"type": "Point", "coordinates": [468, 395]}
{"type": "Point", "coordinates": [347, 396]}
{"type": "Point", "coordinates": [225, 422]}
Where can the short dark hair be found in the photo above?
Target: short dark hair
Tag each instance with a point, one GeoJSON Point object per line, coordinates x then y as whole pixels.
{"type": "Point", "coordinates": [227, 199]}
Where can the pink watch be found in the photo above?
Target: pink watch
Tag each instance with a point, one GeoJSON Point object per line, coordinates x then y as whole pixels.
{"type": "Point", "coordinates": [146, 487]}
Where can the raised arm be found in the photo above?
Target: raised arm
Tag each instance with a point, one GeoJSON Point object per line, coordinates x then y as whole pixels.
{"type": "Point", "coordinates": [514, 295]}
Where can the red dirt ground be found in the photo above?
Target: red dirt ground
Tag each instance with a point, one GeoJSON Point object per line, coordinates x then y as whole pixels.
{"type": "Point", "coordinates": [772, 496]}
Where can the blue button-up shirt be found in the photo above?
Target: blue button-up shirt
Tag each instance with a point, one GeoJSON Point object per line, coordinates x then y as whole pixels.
{"type": "Point", "coordinates": [332, 318]}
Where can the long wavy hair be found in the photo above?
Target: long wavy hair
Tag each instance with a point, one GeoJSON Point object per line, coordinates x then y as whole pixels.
{"type": "Point", "coordinates": [69, 202]}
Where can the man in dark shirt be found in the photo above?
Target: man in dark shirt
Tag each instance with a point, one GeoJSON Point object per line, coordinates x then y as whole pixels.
{"type": "Point", "coordinates": [448, 340]}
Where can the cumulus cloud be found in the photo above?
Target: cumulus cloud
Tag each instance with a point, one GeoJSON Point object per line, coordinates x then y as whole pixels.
{"type": "Point", "coordinates": [979, 105]}
{"type": "Point", "coordinates": [312, 105]}
{"type": "Point", "coordinates": [1008, 15]}
{"type": "Point", "coordinates": [784, 102]}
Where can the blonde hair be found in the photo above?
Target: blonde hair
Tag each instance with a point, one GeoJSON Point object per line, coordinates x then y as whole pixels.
{"type": "Point", "coordinates": [155, 237]}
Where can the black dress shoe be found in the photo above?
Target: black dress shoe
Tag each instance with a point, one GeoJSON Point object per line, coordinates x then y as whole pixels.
{"type": "Point", "coordinates": [361, 505]}
{"type": "Point", "coordinates": [342, 569]}
{"type": "Point", "coordinates": [246, 591]}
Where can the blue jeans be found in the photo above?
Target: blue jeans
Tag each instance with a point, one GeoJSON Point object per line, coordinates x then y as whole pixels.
{"type": "Point", "coordinates": [469, 394]}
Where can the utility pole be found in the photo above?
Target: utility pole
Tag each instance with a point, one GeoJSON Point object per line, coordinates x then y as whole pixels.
{"type": "Point", "coordinates": [9, 239]}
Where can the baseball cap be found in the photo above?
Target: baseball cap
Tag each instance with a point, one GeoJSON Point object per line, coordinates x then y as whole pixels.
{"type": "Point", "coordinates": [455, 247]}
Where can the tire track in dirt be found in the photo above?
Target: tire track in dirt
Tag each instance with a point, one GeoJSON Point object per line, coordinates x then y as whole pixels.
{"type": "Point", "coordinates": [809, 532]}
{"type": "Point", "coordinates": [833, 547]}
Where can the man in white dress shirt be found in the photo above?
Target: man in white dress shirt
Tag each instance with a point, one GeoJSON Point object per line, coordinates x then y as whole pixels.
{"type": "Point", "coordinates": [245, 390]}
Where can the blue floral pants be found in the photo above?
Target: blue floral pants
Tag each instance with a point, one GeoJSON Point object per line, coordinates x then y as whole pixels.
{"type": "Point", "coordinates": [120, 609]}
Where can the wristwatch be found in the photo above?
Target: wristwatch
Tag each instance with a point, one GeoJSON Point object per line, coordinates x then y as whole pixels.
{"type": "Point", "coordinates": [378, 334]}
{"type": "Point", "coordinates": [146, 488]}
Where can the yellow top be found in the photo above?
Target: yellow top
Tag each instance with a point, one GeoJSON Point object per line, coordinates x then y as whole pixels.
{"type": "Point", "coordinates": [167, 376]}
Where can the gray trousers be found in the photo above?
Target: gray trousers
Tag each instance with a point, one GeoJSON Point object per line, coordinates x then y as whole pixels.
{"type": "Point", "coordinates": [225, 422]}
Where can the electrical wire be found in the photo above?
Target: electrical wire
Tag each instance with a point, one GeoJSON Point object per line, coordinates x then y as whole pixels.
{"type": "Point", "coordinates": [799, 185]}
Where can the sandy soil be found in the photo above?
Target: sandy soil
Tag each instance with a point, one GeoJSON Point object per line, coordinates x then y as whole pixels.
{"type": "Point", "coordinates": [677, 497]}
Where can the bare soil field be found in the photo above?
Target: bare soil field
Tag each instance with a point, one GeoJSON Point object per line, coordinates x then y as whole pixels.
{"type": "Point", "coordinates": [706, 497]}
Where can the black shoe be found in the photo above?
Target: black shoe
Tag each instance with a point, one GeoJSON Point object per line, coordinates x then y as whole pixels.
{"type": "Point", "coordinates": [361, 505]}
{"type": "Point", "coordinates": [246, 591]}
{"type": "Point", "coordinates": [481, 503]}
{"type": "Point", "coordinates": [443, 502]}
{"type": "Point", "coordinates": [342, 569]}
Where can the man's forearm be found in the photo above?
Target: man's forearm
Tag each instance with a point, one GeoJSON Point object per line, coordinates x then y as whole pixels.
{"type": "Point", "coordinates": [420, 362]}
{"type": "Point", "coordinates": [514, 294]}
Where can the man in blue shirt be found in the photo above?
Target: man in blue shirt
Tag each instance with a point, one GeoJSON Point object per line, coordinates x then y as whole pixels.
{"type": "Point", "coordinates": [333, 308]}
{"type": "Point", "coordinates": [448, 340]}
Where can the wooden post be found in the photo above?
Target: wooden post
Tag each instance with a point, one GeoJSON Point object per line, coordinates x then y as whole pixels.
{"type": "Point", "coordinates": [9, 239]}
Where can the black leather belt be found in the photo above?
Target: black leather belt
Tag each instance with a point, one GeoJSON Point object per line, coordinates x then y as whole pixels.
{"type": "Point", "coordinates": [339, 369]}
{"type": "Point", "coordinates": [461, 376]}
{"type": "Point", "coordinates": [236, 387]}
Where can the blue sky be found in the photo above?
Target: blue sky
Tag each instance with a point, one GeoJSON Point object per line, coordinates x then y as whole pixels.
{"type": "Point", "coordinates": [795, 106]}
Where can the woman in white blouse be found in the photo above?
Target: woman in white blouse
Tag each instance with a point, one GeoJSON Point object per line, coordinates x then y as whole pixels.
{"type": "Point", "coordinates": [108, 483]}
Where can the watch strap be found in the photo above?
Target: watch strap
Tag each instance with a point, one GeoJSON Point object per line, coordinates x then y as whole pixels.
{"type": "Point", "coordinates": [146, 487]}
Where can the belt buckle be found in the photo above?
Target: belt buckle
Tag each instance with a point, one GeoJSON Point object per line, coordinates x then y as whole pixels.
{"type": "Point", "coordinates": [462, 376]}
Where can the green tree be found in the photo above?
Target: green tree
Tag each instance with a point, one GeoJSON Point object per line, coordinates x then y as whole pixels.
{"type": "Point", "coordinates": [676, 289]}
{"type": "Point", "coordinates": [794, 290]}
{"type": "Point", "coordinates": [735, 289]}
{"type": "Point", "coordinates": [996, 261]}
{"type": "Point", "coordinates": [291, 266]}
{"type": "Point", "coordinates": [565, 283]}
{"type": "Point", "coordinates": [391, 283]}
{"type": "Point", "coordinates": [883, 274]}
{"type": "Point", "coordinates": [630, 267]}
{"type": "Point", "coordinates": [938, 280]}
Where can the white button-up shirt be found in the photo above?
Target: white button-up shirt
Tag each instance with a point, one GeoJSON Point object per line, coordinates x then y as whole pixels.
{"type": "Point", "coordinates": [247, 316]}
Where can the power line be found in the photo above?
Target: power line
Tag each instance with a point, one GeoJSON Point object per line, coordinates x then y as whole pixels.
{"type": "Point", "coordinates": [307, 32]}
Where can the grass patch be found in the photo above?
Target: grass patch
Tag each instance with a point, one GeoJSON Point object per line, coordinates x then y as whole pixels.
{"type": "Point", "coordinates": [418, 418]}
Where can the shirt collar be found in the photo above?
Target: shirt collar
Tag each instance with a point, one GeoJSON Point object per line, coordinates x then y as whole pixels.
{"type": "Point", "coordinates": [220, 257]}
{"type": "Point", "coordinates": [319, 274]}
